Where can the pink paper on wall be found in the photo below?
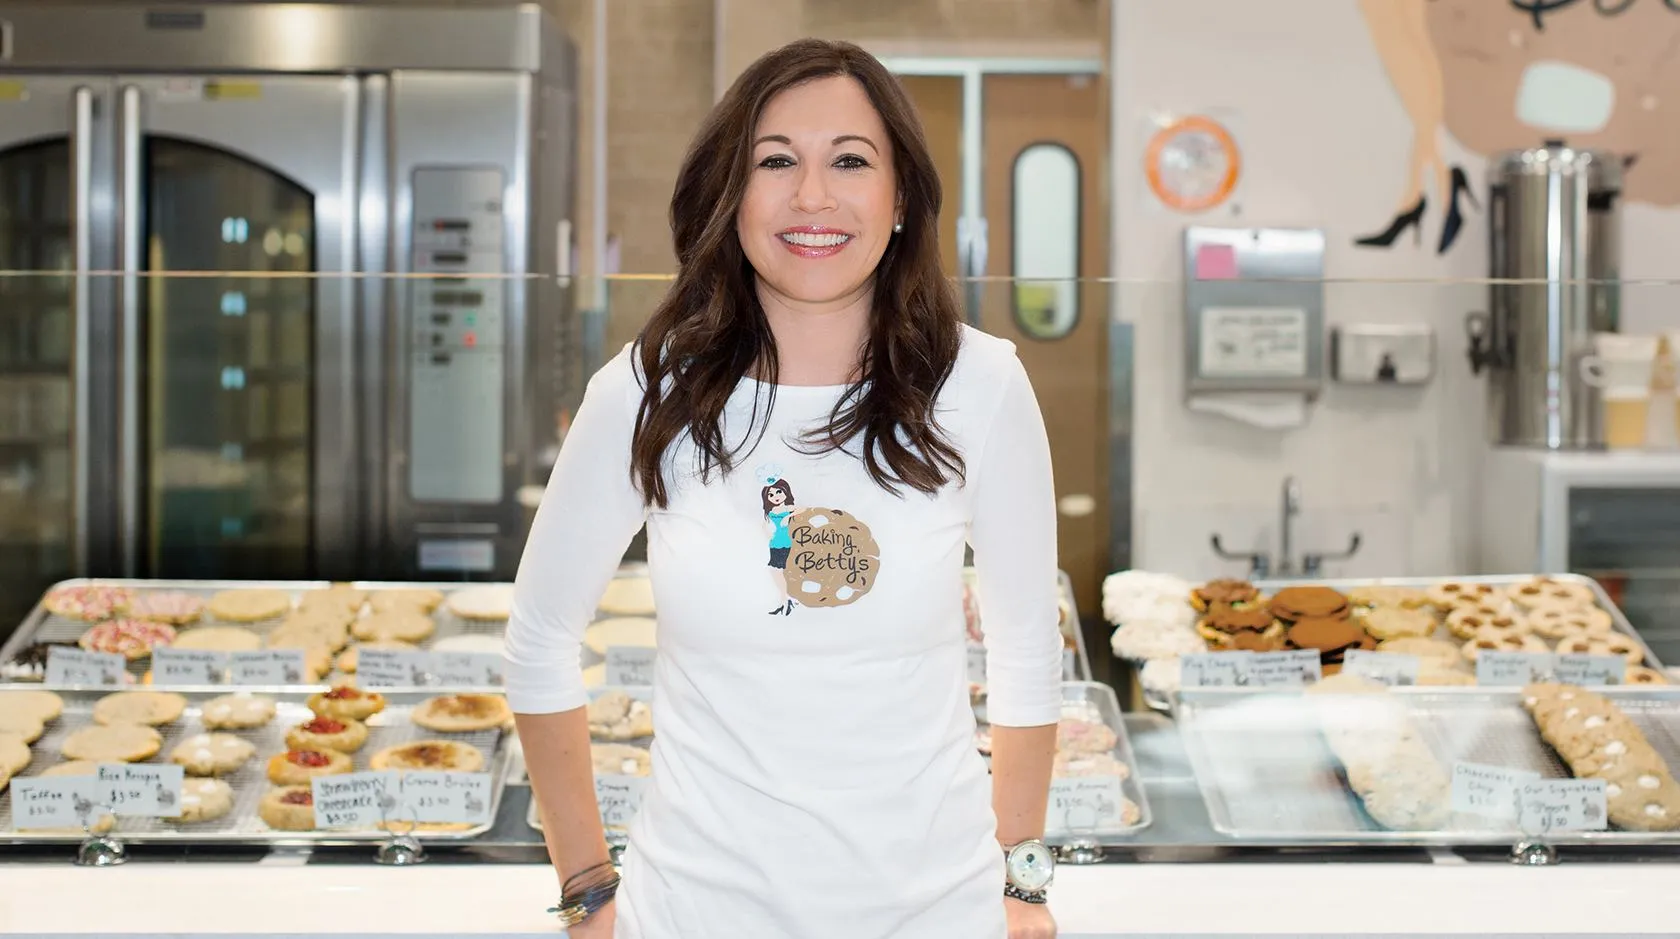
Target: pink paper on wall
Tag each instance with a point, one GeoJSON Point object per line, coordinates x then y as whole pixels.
{"type": "Point", "coordinates": [1216, 262]}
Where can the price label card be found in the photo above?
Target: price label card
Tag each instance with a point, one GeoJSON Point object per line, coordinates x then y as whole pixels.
{"type": "Point", "coordinates": [630, 665]}
{"type": "Point", "coordinates": [266, 667]}
{"type": "Point", "coordinates": [53, 802]}
{"type": "Point", "coordinates": [1388, 668]}
{"type": "Point", "coordinates": [129, 789]}
{"type": "Point", "coordinates": [357, 800]}
{"type": "Point", "coordinates": [1488, 791]}
{"type": "Point", "coordinates": [477, 669]}
{"type": "Point", "coordinates": [976, 663]}
{"type": "Point", "coordinates": [460, 798]}
{"type": "Point", "coordinates": [1552, 805]}
{"type": "Point", "coordinates": [392, 668]}
{"type": "Point", "coordinates": [188, 666]}
{"type": "Point", "coordinates": [67, 666]}
{"type": "Point", "coordinates": [619, 797]}
{"type": "Point", "coordinates": [1084, 804]}
{"type": "Point", "coordinates": [1591, 670]}
{"type": "Point", "coordinates": [1513, 668]}
{"type": "Point", "coordinates": [1285, 669]}
{"type": "Point", "coordinates": [1217, 670]}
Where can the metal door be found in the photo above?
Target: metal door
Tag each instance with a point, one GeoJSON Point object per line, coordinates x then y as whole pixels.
{"type": "Point", "coordinates": [53, 163]}
{"type": "Point", "coordinates": [238, 199]}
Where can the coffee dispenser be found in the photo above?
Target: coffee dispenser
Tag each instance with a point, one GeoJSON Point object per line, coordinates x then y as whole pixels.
{"type": "Point", "coordinates": [1554, 223]}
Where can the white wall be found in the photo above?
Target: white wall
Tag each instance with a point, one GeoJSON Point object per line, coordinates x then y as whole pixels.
{"type": "Point", "coordinates": [1324, 143]}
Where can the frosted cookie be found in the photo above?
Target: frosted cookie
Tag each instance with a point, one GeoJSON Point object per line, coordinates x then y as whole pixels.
{"type": "Point", "coordinates": [1544, 591]}
{"type": "Point", "coordinates": [91, 603]}
{"type": "Point", "coordinates": [347, 701]}
{"type": "Point", "coordinates": [212, 754]}
{"type": "Point", "coordinates": [139, 707]}
{"type": "Point", "coordinates": [204, 800]}
{"type": "Point", "coordinates": [1397, 622]}
{"type": "Point", "coordinates": [615, 715]}
{"type": "Point", "coordinates": [14, 754]}
{"type": "Point", "coordinates": [1078, 735]}
{"type": "Point", "coordinates": [289, 808]}
{"type": "Point", "coordinates": [627, 596]}
{"type": "Point", "coordinates": [400, 625]}
{"type": "Point", "coordinates": [328, 733]}
{"type": "Point", "coordinates": [165, 606]}
{"type": "Point", "coordinates": [617, 759]}
{"type": "Point", "coordinates": [113, 743]}
{"type": "Point", "coordinates": [463, 713]}
{"type": "Point", "coordinates": [489, 602]}
{"type": "Point", "coordinates": [249, 606]}
{"type": "Point", "coordinates": [438, 755]}
{"type": "Point", "coordinates": [237, 712]}
{"type": "Point", "coordinates": [219, 639]}
{"type": "Point", "coordinates": [130, 638]}
{"type": "Point", "coordinates": [350, 659]}
{"type": "Point", "coordinates": [623, 631]}
{"type": "Point", "coordinates": [1072, 764]}
{"type": "Point", "coordinates": [298, 767]}
{"type": "Point", "coordinates": [22, 724]}
{"type": "Point", "coordinates": [415, 599]}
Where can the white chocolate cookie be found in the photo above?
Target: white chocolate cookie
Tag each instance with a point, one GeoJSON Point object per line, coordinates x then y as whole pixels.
{"type": "Point", "coordinates": [204, 800]}
{"type": "Point", "coordinates": [212, 754]}
{"type": "Point", "coordinates": [237, 712]}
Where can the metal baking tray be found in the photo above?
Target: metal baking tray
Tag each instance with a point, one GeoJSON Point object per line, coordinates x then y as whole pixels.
{"type": "Point", "coordinates": [533, 816]}
{"type": "Point", "coordinates": [1267, 775]}
{"type": "Point", "coordinates": [1078, 666]}
{"type": "Point", "coordinates": [242, 825]}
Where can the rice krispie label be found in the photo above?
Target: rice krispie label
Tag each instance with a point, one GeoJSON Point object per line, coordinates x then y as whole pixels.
{"type": "Point", "coordinates": [130, 789]}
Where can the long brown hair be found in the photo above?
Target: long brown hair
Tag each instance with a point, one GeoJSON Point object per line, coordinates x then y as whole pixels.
{"type": "Point", "coordinates": [710, 332]}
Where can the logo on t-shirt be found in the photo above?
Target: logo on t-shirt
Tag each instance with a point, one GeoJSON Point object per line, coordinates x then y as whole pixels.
{"type": "Point", "coordinates": [818, 556]}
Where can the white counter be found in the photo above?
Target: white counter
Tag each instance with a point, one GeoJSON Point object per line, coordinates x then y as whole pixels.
{"type": "Point", "coordinates": [1108, 900]}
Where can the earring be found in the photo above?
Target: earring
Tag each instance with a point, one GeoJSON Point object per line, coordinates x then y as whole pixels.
{"type": "Point", "coordinates": [899, 226]}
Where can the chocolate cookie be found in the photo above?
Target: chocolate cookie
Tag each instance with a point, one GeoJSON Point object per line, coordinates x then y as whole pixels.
{"type": "Point", "coordinates": [1229, 619]}
{"type": "Point", "coordinates": [1247, 640]}
{"type": "Point", "coordinates": [1327, 634]}
{"type": "Point", "coordinates": [1298, 603]}
{"type": "Point", "coordinates": [1223, 591]}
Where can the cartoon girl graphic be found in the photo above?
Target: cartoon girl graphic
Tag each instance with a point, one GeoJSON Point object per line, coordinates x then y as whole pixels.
{"type": "Point", "coordinates": [777, 497]}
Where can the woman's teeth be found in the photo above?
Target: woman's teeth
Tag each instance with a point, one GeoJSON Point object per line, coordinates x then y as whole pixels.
{"type": "Point", "coordinates": [813, 240]}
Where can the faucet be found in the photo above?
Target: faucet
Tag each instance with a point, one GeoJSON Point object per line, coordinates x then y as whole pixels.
{"type": "Point", "coordinates": [1286, 526]}
{"type": "Point", "coordinates": [1261, 566]}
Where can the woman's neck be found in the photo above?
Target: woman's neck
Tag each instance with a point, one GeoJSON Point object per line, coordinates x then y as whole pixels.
{"type": "Point", "coordinates": [818, 345]}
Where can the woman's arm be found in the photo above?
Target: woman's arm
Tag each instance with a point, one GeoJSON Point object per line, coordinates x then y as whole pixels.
{"type": "Point", "coordinates": [588, 515]}
{"type": "Point", "coordinates": [1013, 531]}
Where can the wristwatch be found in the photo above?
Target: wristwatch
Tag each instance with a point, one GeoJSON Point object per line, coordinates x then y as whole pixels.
{"type": "Point", "coordinates": [1029, 868]}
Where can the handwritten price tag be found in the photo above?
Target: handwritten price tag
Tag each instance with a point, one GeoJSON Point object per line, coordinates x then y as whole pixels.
{"type": "Point", "coordinates": [1217, 670]}
{"type": "Point", "coordinates": [475, 669]}
{"type": "Point", "coordinates": [53, 802]}
{"type": "Point", "coordinates": [630, 665]}
{"type": "Point", "coordinates": [356, 800]}
{"type": "Point", "coordinates": [1388, 668]}
{"type": "Point", "coordinates": [188, 666]}
{"type": "Point", "coordinates": [460, 798]}
{"type": "Point", "coordinates": [1083, 804]}
{"type": "Point", "coordinates": [1591, 670]}
{"type": "Point", "coordinates": [140, 790]}
{"type": "Point", "coordinates": [392, 668]}
{"type": "Point", "coordinates": [1553, 805]}
{"type": "Point", "coordinates": [976, 663]}
{"type": "Point", "coordinates": [1488, 791]}
{"type": "Point", "coordinates": [1513, 668]}
{"type": "Point", "coordinates": [1285, 669]}
{"type": "Point", "coordinates": [266, 667]}
{"type": "Point", "coordinates": [619, 797]}
{"type": "Point", "coordinates": [67, 666]}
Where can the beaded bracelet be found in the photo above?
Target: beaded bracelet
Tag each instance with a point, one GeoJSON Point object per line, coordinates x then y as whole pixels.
{"type": "Point", "coordinates": [574, 908]}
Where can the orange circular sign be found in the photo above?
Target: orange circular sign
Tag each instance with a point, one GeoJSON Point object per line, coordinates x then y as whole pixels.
{"type": "Point", "coordinates": [1192, 164]}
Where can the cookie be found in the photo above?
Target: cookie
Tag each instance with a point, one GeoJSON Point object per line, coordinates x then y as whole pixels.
{"type": "Point", "coordinates": [219, 639]}
{"type": "Point", "coordinates": [1246, 640]}
{"type": "Point", "coordinates": [112, 743]}
{"type": "Point", "coordinates": [1502, 641]}
{"type": "Point", "coordinates": [627, 596]}
{"type": "Point", "coordinates": [617, 759]}
{"type": "Point", "coordinates": [288, 808]}
{"type": "Point", "coordinates": [1452, 594]}
{"type": "Point", "coordinates": [1645, 802]}
{"type": "Point", "coordinates": [1077, 735]}
{"type": "Point", "coordinates": [1397, 778]}
{"type": "Point", "coordinates": [1474, 619]}
{"type": "Point", "coordinates": [347, 701]}
{"type": "Point", "coordinates": [1224, 591]}
{"type": "Point", "coordinates": [14, 754]}
{"type": "Point", "coordinates": [1544, 592]}
{"type": "Point", "coordinates": [1379, 596]}
{"type": "Point", "coordinates": [139, 707]}
{"type": "Point", "coordinates": [1326, 634]}
{"type": "Point", "coordinates": [1642, 675]}
{"type": "Point", "coordinates": [212, 754]}
{"type": "Point", "coordinates": [298, 767]}
{"type": "Point", "coordinates": [489, 603]}
{"type": "Point", "coordinates": [463, 713]}
{"type": "Point", "coordinates": [43, 706]}
{"type": "Point", "coordinates": [1429, 650]}
{"type": "Point", "coordinates": [615, 715]}
{"type": "Point", "coordinates": [1225, 618]}
{"type": "Point", "coordinates": [88, 602]}
{"type": "Point", "coordinates": [595, 675]}
{"type": "Point", "coordinates": [236, 712]}
{"type": "Point", "coordinates": [1618, 645]}
{"type": "Point", "coordinates": [834, 559]}
{"type": "Point", "coordinates": [439, 755]}
{"type": "Point", "coordinates": [130, 638]}
{"type": "Point", "coordinates": [339, 599]}
{"type": "Point", "coordinates": [165, 606]}
{"type": "Point", "coordinates": [204, 800]}
{"type": "Point", "coordinates": [623, 631]}
{"type": "Point", "coordinates": [350, 660]}
{"type": "Point", "coordinates": [1432, 672]}
{"type": "Point", "coordinates": [328, 733]}
{"type": "Point", "coordinates": [249, 606]}
{"type": "Point", "coordinates": [400, 625]}
{"type": "Point", "coordinates": [1397, 623]}
{"type": "Point", "coordinates": [413, 599]}
{"type": "Point", "coordinates": [1070, 764]}
{"type": "Point", "coordinates": [1558, 622]}
{"type": "Point", "coordinates": [1296, 603]}
{"type": "Point", "coordinates": [327, 629]}
{"type": "Point", "coordinates": [1579, 644]}
{"type": "Point", "coordinates": [317, 652]}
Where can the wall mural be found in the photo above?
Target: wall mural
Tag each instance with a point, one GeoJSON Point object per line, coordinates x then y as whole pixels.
{"type": "Point", "coordinates": [1509, 74]}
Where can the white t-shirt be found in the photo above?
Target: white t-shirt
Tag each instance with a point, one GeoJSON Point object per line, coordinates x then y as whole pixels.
{"type": "Point", "coordinates": [814, 767]}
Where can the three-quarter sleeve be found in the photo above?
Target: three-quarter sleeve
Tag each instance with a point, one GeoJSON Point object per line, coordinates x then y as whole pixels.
{"type": "Point", "coordinates": [589, 512]}
{"type": "Point", "coordinates": [1013, 532]}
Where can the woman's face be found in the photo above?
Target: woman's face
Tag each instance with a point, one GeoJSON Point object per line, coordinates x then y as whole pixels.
{"type": "Point", "coordinates": [775, 496]}
{"type": "Point", "coordinates": [820, 203]}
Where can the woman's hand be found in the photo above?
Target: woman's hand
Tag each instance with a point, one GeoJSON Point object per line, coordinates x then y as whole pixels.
{"type": "Point", "coordinates": [1028, 920]}
{"type": "Point", "coordinates": [599, 925]}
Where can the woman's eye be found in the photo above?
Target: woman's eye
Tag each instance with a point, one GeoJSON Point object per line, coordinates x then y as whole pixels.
{"type": "Point", "coordinates": [777, 162]}
{"type": "Point", "coordinates": [851, 161]}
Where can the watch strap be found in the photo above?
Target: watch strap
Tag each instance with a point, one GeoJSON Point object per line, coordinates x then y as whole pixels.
{"type": "Point", "coordinates": [1025, 896]}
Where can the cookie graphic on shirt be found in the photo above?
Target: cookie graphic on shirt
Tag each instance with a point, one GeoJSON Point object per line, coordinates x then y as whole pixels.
{"type": "Point", "coordinates": [819, 556]}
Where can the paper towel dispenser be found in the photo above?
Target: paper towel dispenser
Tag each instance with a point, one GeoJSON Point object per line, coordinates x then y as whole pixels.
{"type": "Point", "coordinates": [1253, 312]}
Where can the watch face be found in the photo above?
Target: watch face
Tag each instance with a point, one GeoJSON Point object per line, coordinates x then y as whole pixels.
{"type": "Point", "coordinates": [1031, 866]}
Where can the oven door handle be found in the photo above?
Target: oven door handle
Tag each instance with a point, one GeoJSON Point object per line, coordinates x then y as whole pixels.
{"type": "Point", "coordinates": [130, 243]}
{"type": "Point", "coordinates": [81, 369]}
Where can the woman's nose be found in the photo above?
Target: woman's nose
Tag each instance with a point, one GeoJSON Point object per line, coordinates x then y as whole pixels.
{"type": "Point", "coordinates": [812, 194]}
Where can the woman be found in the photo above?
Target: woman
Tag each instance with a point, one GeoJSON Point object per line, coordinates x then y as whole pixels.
{"type": "Point", "coordinates": [813, 776]}
{"type": "Point", "coordinates": [778, 509]}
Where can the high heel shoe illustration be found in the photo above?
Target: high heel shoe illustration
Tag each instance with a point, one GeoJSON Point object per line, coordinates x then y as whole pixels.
{"type": "Point", "coordinates": [1412, 219]}
{"type": "Point", "coordinates": [1455, 219]}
